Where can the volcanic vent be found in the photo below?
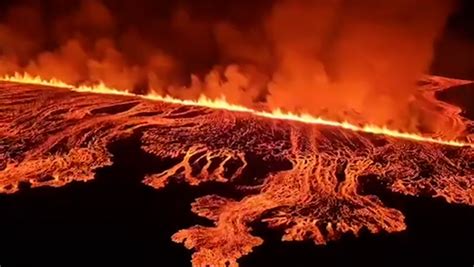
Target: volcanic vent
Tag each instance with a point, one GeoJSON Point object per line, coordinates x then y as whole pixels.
{"type": "Point", "coordinates": [311, 189]}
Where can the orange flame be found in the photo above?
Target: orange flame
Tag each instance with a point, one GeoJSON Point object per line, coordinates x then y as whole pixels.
{"type": "Point", "coordinates": [31, 79]}
{"type": "Point", "coordinates": [221, 103]}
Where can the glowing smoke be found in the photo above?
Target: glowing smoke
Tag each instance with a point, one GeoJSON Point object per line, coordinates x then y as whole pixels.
{"type": "Point", "coordinates": [330, 57]}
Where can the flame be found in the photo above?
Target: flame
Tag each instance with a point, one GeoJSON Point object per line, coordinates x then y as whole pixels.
{"type": "Point", "coordinates": [31, 79]}
{"type": "Point", "coordinates": [221, 103]}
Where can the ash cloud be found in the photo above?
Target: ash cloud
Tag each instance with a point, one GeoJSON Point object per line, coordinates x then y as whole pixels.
{"type": "Point", "coordinates": [341, 59]}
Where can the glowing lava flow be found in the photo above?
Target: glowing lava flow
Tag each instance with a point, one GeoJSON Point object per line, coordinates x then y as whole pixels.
{"type": "Point", "coordinates": [308, 181]}
{"type": "Point", "coordinates": [221, 103]}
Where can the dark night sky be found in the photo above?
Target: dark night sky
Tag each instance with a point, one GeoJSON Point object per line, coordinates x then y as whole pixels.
{"type": "Point", "coordinates": [455, 50]}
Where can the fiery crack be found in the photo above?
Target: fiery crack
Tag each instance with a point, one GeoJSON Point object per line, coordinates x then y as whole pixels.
{"type": "Point", "coordinates": [51, 137]}
{"type": "Point", "coordinates": [222, 104]}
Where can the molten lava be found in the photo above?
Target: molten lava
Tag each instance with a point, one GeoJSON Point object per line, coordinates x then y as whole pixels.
{"type": "Point", "coordinates": [312, 171]}
{"type": "Point", "coordinates": [223, 104]}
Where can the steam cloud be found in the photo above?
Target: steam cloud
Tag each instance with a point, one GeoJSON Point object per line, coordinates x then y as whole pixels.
{"type": "Point", "coordinates": [329, 57]}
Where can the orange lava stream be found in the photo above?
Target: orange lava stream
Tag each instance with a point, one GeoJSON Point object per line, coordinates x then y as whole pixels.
{"type": "Point", "coordinates": [221, 103]}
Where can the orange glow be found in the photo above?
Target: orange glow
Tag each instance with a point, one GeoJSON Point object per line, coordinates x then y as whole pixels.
{"type": "Point", "coordinates": [221, 103]}
{"type": "Point", "coordinates": [31, 79]}
{"type": "Point", "coordinates": [313, 183]}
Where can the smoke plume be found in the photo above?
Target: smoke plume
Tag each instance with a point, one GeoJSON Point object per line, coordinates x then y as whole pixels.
{"type": "Point", "coordinates": [338, 58]}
